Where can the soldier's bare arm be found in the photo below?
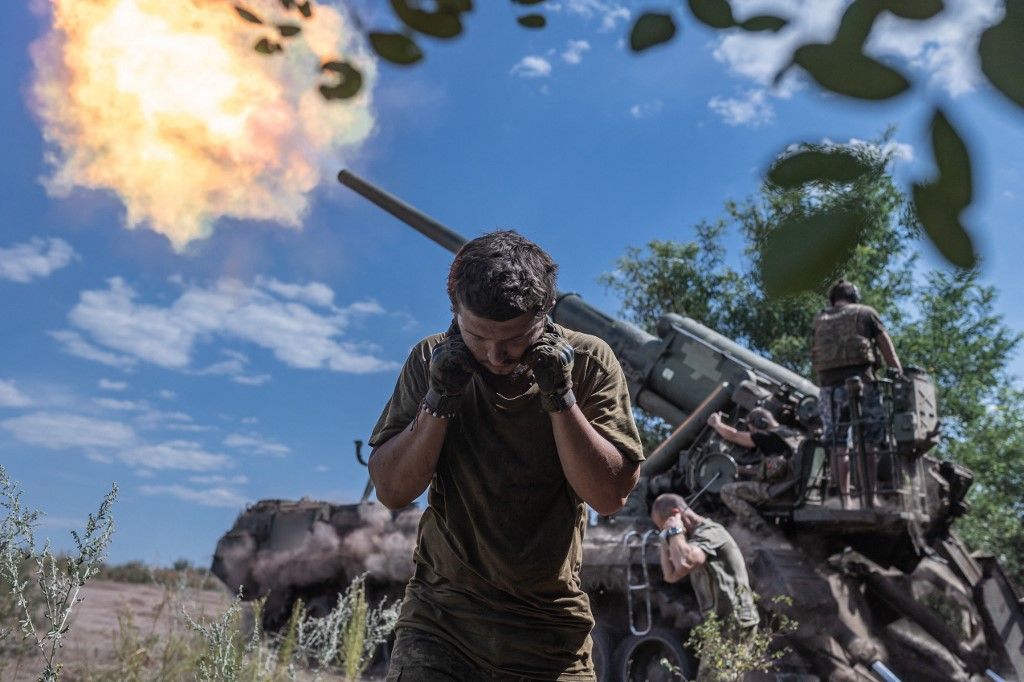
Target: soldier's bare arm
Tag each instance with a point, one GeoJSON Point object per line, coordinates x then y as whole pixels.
{"type": "Point", "coordinates": [595, 468]}
{"type": "Point", "coordinates": [888, 351]}
{"type": "Point", "coordinates": [727, 432]}
{"type": "Point", "coordinates": [401, 467]}
{"type": "Point", "coordinates": [682, 558]}
{"type": "Point", "coordinates": [601, 475]}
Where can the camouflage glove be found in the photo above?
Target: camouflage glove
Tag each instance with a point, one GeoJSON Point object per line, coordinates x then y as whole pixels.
{"type": "Point", "coordinates": [551, 359]}
{"type": "Point", "coordinates": [451, 368]}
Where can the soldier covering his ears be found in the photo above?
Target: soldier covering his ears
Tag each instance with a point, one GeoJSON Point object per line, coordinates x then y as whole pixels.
{"type": "Point", "coordinates": [515, 424]}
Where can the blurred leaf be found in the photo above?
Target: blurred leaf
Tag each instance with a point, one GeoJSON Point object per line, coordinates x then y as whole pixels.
{"type": "Point", "coordinates": [532, 21]}
{"type": "Point", "coordinates": [444, 22]}
{"type": "Point", "coordinates": [807, 166]}
{"type": "Point", "coordinates": [856, 24]}
{"type": "Point", "coordinates": [764, 22]}
{"type": "Point", "coordinates": [396, 48]}
{"type": "Point", "coordinates": [651, 29]}
{"type": "Point", "coordinates": [954, 162]}
{"type": "Point", "coordinates": [914, 9]}
{"type": "Point", "coordinates": [349, 81]}
{"type": "Point", "coordinates": [804, 251]}
{"type": "Point", "coordinates": [714, 13]}
{"type": "Point", "coordinates": [1002, 53]}
{"type": "Point", "coordinates": [850, 73]}
{"type": "Point", "coordinates": [247, 15]}
{"type": "Point", "coordinates": [287, 4]}
{"type": "Point", "coordinates": [942, 224]}
{"type": "Point", "coordinates": [288, 30]}
{"type": "Point", "coordinates": [267, 46]}
{"type": "Point", "coordinates": [306, 9]}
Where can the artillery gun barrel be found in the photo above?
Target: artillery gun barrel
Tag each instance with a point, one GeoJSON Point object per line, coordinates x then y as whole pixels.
{"type": "Point", "coordinates": [426, 225]}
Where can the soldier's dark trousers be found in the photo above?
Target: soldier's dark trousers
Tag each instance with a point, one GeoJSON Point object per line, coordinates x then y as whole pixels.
{"type": "Point", "coordinates": [741, 497]}
{"type": "Point", "coordinates": [421, 657]}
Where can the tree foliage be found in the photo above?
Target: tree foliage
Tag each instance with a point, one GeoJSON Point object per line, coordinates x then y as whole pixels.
{"type": "Point", "coordinates": [943, 321]}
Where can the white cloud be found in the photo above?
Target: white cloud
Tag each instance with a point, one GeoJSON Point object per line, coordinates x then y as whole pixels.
{"type": "Point", "coordinates": [256, 444]}
{"type": "Point", "coordinates": [216, 479]}
{"type": "Point", "coordinates": [74, 344]}
{"type": "Point", "coordinates": [752, 109]}
{"type": "Point", "coordinates": [532, 66]}
{"type": "Point", "coordinates": [574, 49]}
{"type": "Point", "coordinates": [646, 109]}
{"type": "Point", "coordinates": [1007, 194]}
{"type": "Point", "coordinates": [609, 14]}
{"type": "Point", "coordinates": [10, 396]}
{"type": "Point", "coordinates": [167, 336]}
{"type": "Point", "coordinates": [207, 497]}
{"type": "Point", "coordinates": [943, 48]}
{"type": "Point", "coordinates": [314, 293]}
{"type": "Point", "coordinates": [175, 454]}
{"type": "Point", "coordinates": [62, 430]}
{"type": "Point", "coordinates": [167, 394]}
{"type": "Point", "coordinates": [34, 259]}
{"type": "Point", "coordinates": [119, 405]}
{"type": "Point", "coordinates": [108, 385]}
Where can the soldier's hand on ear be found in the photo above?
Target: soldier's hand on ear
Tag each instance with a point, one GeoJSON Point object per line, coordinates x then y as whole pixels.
{"type": "Point", "coordinates": [551, 359]}
{"type": "Point", "coordinates": [451, 368]}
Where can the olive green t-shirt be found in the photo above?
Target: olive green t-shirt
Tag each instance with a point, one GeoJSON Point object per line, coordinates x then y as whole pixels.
{"type": "Point", "coordinates": [500, 544]}
{"type": "Point", "coordinates": [721, 582]}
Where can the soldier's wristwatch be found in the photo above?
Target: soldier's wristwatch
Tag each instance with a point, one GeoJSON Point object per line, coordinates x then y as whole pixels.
{"type": "Point", "coordinates": [669, 532]}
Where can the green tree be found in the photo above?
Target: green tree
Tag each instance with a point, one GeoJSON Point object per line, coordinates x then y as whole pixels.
{"type": "Point", "coordinates": [943, 321]}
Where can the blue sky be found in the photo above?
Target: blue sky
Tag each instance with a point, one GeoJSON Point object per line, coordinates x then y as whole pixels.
{"type": "Point", "coordinates": [242, 365]}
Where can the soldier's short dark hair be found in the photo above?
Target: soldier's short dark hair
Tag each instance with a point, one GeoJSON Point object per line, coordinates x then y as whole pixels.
{"type": "Point", "coordinates": [502, 275]}
{"type": "Point", "coordinates": [665, 503]}
{"type": "Point", "coordinates": [843, 290]}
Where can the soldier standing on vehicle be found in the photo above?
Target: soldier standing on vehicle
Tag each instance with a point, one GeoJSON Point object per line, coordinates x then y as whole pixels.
{"type": "Point", "coordinates": [845, 337]}
{"type": "Point", "coordinates": [776, 446]}
{"type": "Point", "coordinates": [516, 425]}
{"type": "Point", "coordinates": [698, 547]}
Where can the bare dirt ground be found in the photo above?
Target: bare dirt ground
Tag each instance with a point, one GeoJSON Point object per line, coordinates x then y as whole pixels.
{"type": "Point", "coordinates": [155, 611]}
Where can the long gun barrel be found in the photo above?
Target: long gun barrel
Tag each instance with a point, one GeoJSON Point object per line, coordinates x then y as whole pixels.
{"type": "Point", "coordinates": [671, 375]}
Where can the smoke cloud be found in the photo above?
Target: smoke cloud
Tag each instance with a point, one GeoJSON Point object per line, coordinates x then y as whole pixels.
{"type": "Point", "coordinates": [168, 105]}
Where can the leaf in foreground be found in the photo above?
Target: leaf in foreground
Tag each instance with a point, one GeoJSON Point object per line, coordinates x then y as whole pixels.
{"type": "Point", "coordinates": [247, 15]}
{"type": "Point", "coordinates": [804, 251]}
{"type": "Point", "coordinates": [350, 80]}
{"type": "Point", "coordinates": [849, 72]}
{"type": "Point", "coordinates": [714, 13]}
{"type": "Point", "coordinates": [444, 22]}
{"type": "Point", "coordinates": [396, 48]}
{"type": "Point", "coordinates": [764, 22]}
{"type": "Point", "coordinates": [651, 29]}
{"type": "Point", "coordinates": [1002, 53]}
{"type": "Point", "coordinates": [954, 162]}
{"type": "Point", "coordinates": [532, 21]}
{"type": "Point", "coordinates": [812, 165]}
{"type": "Point", "coordinates": [941, 222]}
{"type": "Point", "coordinates": [914, 9]}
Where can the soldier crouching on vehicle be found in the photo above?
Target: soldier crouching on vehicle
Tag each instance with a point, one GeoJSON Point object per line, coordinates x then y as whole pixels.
{"type": "Point", "coordinates": [698, 547]}
{"type": "Point", "coordinates": [516, 425]}
{"type": "Point", "coordinates": [845, 336]}
{"type": "Point", "coordinates": [776, 446]}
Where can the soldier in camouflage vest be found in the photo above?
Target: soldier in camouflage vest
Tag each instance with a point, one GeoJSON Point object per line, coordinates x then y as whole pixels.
{"type": "Point", "coordinates": [774, 446]}
{"type": "Point", "coordinates": [848, 338]}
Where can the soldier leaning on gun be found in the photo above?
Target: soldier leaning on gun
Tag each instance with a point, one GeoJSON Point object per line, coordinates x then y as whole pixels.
{"type": "Point", "coordinates": [844, 340]}
{"type": "Point", "coordinates": [698, 547]}
{"type": "Point", "coordinates": [775, 445]}
{"type": "Point", "coordinates": [515, 424]}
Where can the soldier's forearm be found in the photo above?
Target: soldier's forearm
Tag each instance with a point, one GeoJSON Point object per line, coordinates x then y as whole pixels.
{"type": "Point", "coordinates": [401, 468]}
{"type": "Point", "coordinates": [595, 469]}
{"type": "Point", "coordinates": [888, 350]}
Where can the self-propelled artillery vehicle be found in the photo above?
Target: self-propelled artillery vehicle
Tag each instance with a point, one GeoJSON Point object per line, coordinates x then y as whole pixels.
{"type": "Point", "coordinates": [879, 585]}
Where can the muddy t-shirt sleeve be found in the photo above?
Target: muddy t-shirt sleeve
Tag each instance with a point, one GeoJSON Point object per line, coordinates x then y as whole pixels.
{"type": "Point", "coordinates": [872, 324]}
{"type": "Point", "coordinates": [405, 401]}
{"type": "Point", "coordinates": [604, 401]}
{"type": "Point", "coordinates": [710, 537]}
